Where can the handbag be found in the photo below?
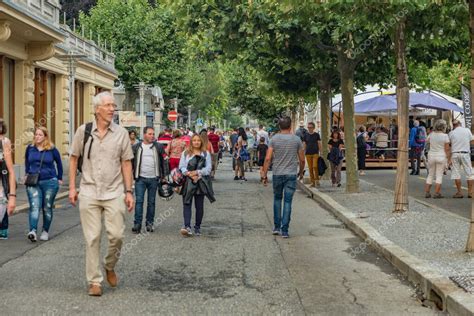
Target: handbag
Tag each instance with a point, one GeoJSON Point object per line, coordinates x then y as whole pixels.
{"type": "Point", "coordinates": [32, 179]}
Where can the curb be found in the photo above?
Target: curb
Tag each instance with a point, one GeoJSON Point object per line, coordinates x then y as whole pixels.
{"type": "Point", "coordinates": [26, 206]}
{"type": "Point", "coordinates": [436, 287]}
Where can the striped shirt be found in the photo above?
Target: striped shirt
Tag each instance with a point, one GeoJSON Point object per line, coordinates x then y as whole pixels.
{"type": "Point", "coordinates": [285, 153]}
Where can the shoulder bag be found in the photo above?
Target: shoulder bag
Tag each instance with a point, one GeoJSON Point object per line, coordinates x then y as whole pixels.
{"type": "Point", "coordinates": [32, 179]}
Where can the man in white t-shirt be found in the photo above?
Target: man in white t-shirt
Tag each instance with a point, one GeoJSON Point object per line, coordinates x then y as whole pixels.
{"type": "Point", "coordinates": [461, 138]}
{"type": "Point", "coordinates": [150, 166]}
{"type": "Point", "coordinates": [262, 133]}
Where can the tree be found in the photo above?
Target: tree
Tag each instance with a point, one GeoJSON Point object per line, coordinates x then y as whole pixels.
{"type": "Point", "coordinates": [146, 41]}
{"type": "Point", "coordinates": [470, 238]}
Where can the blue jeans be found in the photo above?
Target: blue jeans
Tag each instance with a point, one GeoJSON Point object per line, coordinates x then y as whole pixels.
{"type": "Point", "coordinates": [142, 185]}
{"type": "Point", "coordinates": [41, 197]}
{"type": "Point", "coordinates": [284, 187]}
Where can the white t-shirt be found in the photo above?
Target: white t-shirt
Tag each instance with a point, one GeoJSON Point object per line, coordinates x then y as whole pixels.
{"type": "Point", "coordinates": [264, 134]}
{"type": "Point", "coordinates": [148, 162]}
{"type": "Point", "coordinates": [460, 140]}
{"type": "Point", "coordinates": [437, 142]}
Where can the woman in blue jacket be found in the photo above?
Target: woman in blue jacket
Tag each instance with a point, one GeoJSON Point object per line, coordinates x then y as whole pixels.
{"type": "Point", "coordinates": [44, 159]}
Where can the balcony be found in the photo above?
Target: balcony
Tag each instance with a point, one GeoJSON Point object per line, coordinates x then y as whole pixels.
{"type": "Point", "coordinates": [79, 45]}
{"type": "Point", "coordinates": [42, 10]}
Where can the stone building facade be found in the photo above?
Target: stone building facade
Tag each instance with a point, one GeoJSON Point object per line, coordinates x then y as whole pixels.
{"type": "Point", "coordinates": [35, 77]}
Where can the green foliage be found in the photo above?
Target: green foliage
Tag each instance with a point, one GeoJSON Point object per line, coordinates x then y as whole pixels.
{"type": "Point", "coordinates": [443, 76]}
{"type": "Point", "coordinates": [146, 42]}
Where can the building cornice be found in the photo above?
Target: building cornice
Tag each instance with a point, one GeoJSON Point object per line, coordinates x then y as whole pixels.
{"type": "Point", "coordinates": [5, 31]}
{"type": "Point", "coordinates": [19, 12]}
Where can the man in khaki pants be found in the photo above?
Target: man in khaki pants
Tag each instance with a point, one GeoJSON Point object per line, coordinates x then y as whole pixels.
{"type": "Point", "coordinates": [105, 189]}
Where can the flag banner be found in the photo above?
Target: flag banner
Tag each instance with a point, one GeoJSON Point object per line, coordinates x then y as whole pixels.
{"type": "Point", "coordinates": [466, 102]}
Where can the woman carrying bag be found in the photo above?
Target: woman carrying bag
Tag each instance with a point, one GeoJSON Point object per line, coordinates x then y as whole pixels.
{"type": "Point", "coordinates": [42, 181]}
{"type": "Point", "coordinates": [8, 181]}
{"type": "Point", "coordinates": [196, 166]}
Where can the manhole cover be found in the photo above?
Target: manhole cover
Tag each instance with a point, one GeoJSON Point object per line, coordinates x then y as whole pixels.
{"type": "Point", "coordinates": [465, 282]}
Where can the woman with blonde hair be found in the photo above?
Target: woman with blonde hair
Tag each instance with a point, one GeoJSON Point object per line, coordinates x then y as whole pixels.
{"type": "Point", "coordinates": [439, 155]}
{"type": "Point", "coordinates": [8, 182]}
{"type": "Point", "coordinates": [196, 166]}
{"type": "Point", "coordinates": [44, 171]}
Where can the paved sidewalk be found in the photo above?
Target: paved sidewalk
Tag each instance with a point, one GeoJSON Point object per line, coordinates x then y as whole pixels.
{"type": "Point", "coordinates": [235, 267]}
{"type": "Point", "coordinates": [426, 232]}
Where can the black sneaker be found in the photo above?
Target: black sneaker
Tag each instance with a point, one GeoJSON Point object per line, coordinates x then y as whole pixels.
{"type": "Point", "coordinates": [137, 228]}
{"type": "Point", "coordinates": [197, 231]}
{"type": "Point", "coordinates": [149, 228]}
{"type": "Point", "coordinates": [236, 178]}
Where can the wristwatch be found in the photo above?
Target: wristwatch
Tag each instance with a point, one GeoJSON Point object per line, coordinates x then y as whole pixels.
{"type": "Point", "coordinates": [129, 191]}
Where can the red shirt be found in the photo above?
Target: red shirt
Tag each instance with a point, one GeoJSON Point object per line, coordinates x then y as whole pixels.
{"type": "Point", "coordinates": [214, 139]}
{"type": "Point", "coordinates": [165, 140]}
{"type": "Point", "coordinates": [187, 139]}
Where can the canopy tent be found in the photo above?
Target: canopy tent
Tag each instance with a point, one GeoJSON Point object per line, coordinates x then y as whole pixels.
{"type": "Point", "coordinates": [388, 103]}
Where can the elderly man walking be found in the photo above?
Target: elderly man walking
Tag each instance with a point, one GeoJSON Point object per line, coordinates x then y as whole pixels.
{"type": "Point", "coordinates": [461, 138]}
{"type": "Point", "coordinates": [105, 189]}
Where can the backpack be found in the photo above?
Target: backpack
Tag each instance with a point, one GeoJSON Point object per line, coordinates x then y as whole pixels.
{"type": "Point", "coordinates": [420, 137]}
{"type": "Point", "coordinates": [87, 134]}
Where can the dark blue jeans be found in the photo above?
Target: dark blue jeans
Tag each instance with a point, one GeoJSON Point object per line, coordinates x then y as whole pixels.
{"type": "Point", "coordinates": [4, 223]}
{"type": "Point", "coordinates": [142, 185]}
{"type": "Point", "coordinates": [284, 187]}
{"type": "Point", "coordinates": [41, 197]}
{"type": "Point", "coordinates": [187, 211]}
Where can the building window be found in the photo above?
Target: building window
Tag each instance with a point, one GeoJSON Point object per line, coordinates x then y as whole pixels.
{"type": "Point", "coordinates": [100, 89]}
{"type": "Point", "coordinates": [7, 94]}
{"type": "Point", "coordinates": [45, 101]}
{"type": "Point", "coordinates": [78, 104]}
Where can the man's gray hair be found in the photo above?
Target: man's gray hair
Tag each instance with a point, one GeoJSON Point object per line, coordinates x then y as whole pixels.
{"type": "Point", "coordinates": [416, 123]}
{"type": "Point", "coordinates": [440, 126]}
{"type": "Point", "coordinates": [97, 99]}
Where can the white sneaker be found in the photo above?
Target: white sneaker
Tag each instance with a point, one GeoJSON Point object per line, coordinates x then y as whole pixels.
{"type": "Point", "coordinates": [44, 236]}
{"type": "Point", "coordinates": [32, 236]}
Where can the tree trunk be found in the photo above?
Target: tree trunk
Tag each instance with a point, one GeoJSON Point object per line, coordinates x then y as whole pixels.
{"type": "Point", "coordinates": [301, 113]}
{"type": "Point", "coordinates": [470, 238]}
{"type": "Point", "coordinates": [294, 125]}
{"type": "Point", "coordinates": [325, 99]}
{"type": "Point", "coordinates": [403, 94]}
{"type": "Point", "coordinates": [346, 70]}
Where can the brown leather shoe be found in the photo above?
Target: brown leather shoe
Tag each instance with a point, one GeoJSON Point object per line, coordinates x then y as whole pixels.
{"type": "Point", "coordinates": [111, 278]}
{"type": "Point", "coordinates": [95, 290]}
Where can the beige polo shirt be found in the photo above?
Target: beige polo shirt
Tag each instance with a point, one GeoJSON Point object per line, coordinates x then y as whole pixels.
{"type": "Point", "coordinates": [102, 177]}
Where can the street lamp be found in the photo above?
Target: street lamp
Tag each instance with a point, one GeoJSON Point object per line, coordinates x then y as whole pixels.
{"type": "Point", "coordinates": [159, 107]}
{"type": "Point", "coordinates": [142, 87]}
{"type": "Point", "coordinates": [70, 59]}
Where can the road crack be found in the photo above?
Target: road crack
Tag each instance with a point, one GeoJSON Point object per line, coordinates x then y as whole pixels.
{"type": "Point", "coordinates": [349, 291]}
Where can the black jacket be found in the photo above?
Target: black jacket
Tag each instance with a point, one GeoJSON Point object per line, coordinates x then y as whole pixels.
{"type": "Point", "coordinates": [161, 160]}
{"type": "Point", "coordinates": [203, 186]}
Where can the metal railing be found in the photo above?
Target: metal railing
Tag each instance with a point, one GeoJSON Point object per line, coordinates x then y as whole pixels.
{"type": "Point", "coordinates": [87, 47]}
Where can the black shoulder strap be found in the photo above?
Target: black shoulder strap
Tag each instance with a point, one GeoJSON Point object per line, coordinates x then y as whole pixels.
{"type": "Point", "coordinates": [87, 134]}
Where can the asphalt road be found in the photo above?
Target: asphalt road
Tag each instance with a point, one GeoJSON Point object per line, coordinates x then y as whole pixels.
{"type": "Point", "coordinates": [236, 267]}
{"type": "Point", "coordinates": [386, 179]}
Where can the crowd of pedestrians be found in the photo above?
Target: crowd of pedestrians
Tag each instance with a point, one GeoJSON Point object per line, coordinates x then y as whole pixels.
{"type": "Point", "coordinates": [119, 167]}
